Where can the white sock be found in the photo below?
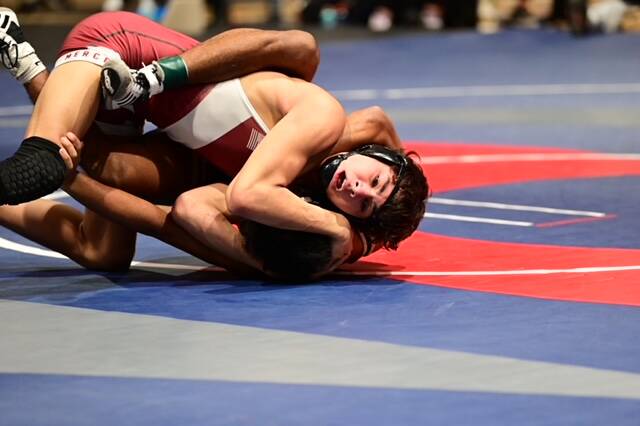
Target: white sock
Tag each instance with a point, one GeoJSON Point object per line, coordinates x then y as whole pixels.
{"type": "Point", "coordinates": [155, 77]}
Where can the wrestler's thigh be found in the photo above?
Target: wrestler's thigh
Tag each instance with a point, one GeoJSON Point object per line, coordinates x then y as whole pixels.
{"type": "Point", "coordinates": [68, 101]}
{"type": "Point", "coordinates": [152, 167]}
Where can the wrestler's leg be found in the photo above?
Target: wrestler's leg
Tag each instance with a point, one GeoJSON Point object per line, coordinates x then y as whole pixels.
{"type": "Point", "coordinates": [232, 54]}
{"type": "Point", "coordinates": [153, 167]}
{"type": "Point", "coordinates": [88, 239]}
{"type": "Point", "coordinates": [241, 51]}
{"type": "Point", "coordinates": [17, 54]}
{"type": "Point", "coordinates": [67, 102]}
{"type": "Point", "coordinates": [135, 166]}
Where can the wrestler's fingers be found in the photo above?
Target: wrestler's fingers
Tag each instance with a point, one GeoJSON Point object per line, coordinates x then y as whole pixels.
{"type": "Point", "coordinates": [75, 140]}
{"type": "Point", "coordinates": [68, 162]}
{"type": "Point", "coordinates": [70, 155]}
{"type": "Point", "coordinates": [69, 147]}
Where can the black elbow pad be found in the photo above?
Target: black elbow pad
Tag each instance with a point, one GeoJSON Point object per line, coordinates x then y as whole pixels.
{"type": "Point", "coordinates": [35, 170]}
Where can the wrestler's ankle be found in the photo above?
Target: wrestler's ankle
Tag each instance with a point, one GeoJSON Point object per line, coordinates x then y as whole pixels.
{"type": "Point", "coordinates": [172, 72]}
{"type": "Point", "coordinates": [28, 65]}
{"type": "Point", "coordinates": [17, 54]}
{"type": "Point", "coordinates": [151, 78]}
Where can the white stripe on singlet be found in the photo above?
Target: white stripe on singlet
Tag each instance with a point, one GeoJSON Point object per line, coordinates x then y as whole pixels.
{"type": "Point", "coordinates": [224, 107]}
{"type": "Point", "coordinates": [97, 55]}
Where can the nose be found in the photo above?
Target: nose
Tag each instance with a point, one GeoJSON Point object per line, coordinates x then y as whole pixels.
{"type": "Point", "coordinates": [357, 189]}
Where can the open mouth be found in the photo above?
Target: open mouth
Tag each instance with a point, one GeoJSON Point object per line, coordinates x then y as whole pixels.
{"type": "Point", "coordinates": [340, 178]}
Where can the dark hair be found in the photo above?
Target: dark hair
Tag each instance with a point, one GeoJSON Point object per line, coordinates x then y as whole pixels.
{"type": "Point", "coordinates": [287, 254]}
{"type": "Point", "coordinates": [401, 214]}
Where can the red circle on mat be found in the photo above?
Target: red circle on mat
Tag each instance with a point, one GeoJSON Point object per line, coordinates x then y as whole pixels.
{"type": "Point", "coordinates": [599, 275]}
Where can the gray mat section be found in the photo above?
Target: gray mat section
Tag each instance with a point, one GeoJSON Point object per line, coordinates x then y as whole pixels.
{"type": "Point", "coordinates": [46, 339]}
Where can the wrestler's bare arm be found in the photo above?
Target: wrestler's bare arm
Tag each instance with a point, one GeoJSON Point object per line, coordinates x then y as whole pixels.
{"type": "Point", "coordinates": [210, 221]}
{"type": "Point", "coordinates": [311, 127]}
{"type": "Point", "coordinates": [242, 51]}
{"type": "Point", "coordinates": [142, 216]}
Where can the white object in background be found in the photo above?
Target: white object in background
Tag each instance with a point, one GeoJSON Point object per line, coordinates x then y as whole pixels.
{"type": "Point", "coordinates": [606, 15]}
{"type": "Point", "coordinates": [381, 20]}
{"type": "Point", "coordinates": [187, 16]}
{"type": "Point", "coordinates": [488, 17]}
{"type": "Point", "coordinates": [112, 5]}
{"type": "Point", "coordinates": [147, 8]}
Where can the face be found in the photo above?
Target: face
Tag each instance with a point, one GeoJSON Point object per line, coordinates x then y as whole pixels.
{"type": "Point", "coordinates": [361, 185]}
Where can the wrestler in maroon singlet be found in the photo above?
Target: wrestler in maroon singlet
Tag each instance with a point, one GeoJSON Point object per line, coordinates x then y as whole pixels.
{"type": "Point", "coordinates": [139, 41]}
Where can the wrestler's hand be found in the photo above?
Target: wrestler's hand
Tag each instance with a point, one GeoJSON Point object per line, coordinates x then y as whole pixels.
{"type": "Point", "coordinates": [341, 251]}
{"type": "Point", "coordinates": [70, 151]}
{"type": "Point", "coordinates": [360, 247]}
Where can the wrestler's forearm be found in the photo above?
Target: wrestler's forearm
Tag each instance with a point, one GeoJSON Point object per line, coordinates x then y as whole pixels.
{"type": "Point", "coordinates": [280, 208]}
{"type": "Point", "coordinates": [241, 51]}
{"type": "Point", "coordinates": [204, 214]}
{"type": "Point", "coordinates": [142, 216]}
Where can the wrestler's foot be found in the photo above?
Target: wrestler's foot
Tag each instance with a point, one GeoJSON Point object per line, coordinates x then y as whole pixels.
{"type": "Point", "coordinates": [16, 54]}
{"type": "Point", "coordinates": [123, 86]}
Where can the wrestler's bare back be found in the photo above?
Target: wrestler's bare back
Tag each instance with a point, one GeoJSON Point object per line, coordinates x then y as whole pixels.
{"type": "Point", "coordinates": [273, 95]}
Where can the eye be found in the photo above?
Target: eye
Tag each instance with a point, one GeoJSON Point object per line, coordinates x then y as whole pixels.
{"type": "Point", "coordinates": [375, 181]}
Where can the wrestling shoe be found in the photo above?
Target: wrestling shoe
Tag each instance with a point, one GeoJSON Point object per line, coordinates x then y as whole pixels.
{"type": "Point", "coordinates": [16, 54]}
{"type": "Point", "coordinates": [122, 86]}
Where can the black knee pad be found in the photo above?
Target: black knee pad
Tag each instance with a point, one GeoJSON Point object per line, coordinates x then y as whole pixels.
{"type": "Point", "coordinates": [35, 170]}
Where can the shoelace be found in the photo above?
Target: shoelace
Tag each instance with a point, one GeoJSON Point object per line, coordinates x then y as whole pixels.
{"type": "Point", "coordinates": [135, 91]}
{"type": "Point", "coordinates": [9, 54]}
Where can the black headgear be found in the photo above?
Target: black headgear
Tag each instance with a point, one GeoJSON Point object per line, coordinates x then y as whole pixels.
{"type": "Point", "coordinates": [378, 152]}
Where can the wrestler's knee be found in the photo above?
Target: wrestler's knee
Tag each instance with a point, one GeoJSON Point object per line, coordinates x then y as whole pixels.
{"type": "Point", "coordinates": [306, 42]}
{"type": "Point", "coordinates": [375, 116]}
{"type": "Point", "coordinates": [99, 259]}
{"type": "Point", "coordinates": [36, 169]}
{"type": "Point", "coordinates": [306, 51]}
{"type": "Point", "coordinates": [182, 207]}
